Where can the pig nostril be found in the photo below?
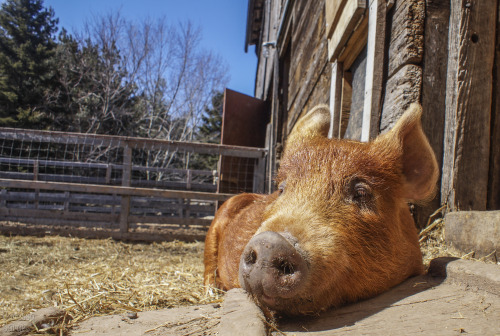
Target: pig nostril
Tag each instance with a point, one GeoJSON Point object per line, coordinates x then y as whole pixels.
{"type": "Point", "coordinates": [285, 267]}
{"type": "Point", "coordinates": [251, 258]}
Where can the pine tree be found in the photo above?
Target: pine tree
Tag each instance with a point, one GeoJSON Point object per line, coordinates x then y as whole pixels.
{"type": "Point", "coordinates": [210, 130]}
{"type": "Point", "coordinates": [27, 66]}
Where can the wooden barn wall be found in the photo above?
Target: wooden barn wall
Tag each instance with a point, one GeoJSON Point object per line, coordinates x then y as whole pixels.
{"type": "Point", "coordinates": [309, 77]}
{"type": "Point", "coordinates": [422, 64]}
{"type": "Point", "coordinates": [469, 96]}
{"type": "Point", "coordinates": [273, 12]}
{"type": "Point", "coordinates": [494, 175]}
{"type": "Point", "coordinates": [434, 67]}
{"type": "Point", "coordinates": [405, 53]}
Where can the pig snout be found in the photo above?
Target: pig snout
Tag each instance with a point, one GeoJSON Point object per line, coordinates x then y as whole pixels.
{"type": "Point", "coordinates": [271, 268]}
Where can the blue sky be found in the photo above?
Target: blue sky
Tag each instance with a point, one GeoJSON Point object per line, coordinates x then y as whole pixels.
{"type": "Point", "coordinates": [223, 25]}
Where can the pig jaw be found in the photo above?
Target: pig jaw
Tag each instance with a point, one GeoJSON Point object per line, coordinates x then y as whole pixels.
{"type": "Point", "coordinates": [272, 270]}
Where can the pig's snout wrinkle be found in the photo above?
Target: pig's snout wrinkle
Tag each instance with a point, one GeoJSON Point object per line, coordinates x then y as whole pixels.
{"type": "Point", "coordinates": [271, 268]}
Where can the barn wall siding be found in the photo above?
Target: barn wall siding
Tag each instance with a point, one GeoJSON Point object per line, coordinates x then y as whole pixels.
{"type": "Point", "coordinates": [440, 53]}
{"type": "Point", "coordinates": [309, 53]}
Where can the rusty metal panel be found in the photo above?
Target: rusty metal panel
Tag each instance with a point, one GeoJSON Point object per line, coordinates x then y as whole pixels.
{"type": "Point", "coordinates": [244, 123]}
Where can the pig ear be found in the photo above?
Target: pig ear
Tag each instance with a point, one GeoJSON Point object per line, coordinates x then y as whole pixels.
{"type": "Point", "coordinates": [420, 169]}
{"type": "Point", "coordinates": [315, 123]}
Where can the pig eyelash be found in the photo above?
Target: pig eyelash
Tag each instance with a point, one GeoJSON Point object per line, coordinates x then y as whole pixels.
{"type": "Point", "coordinates": [360, 193]}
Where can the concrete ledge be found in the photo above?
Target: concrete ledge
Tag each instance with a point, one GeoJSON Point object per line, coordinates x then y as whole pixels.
{"type": "Point", "coordinates": [466, 272]}
{"type": "Point", "coordinates": [240, 316]}
{"type": "Point", "coordinates": [477, 231]}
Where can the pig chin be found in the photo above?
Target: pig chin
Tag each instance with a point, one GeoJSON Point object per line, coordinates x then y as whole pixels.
{"type": "Point", "coordinates": [272, 270]}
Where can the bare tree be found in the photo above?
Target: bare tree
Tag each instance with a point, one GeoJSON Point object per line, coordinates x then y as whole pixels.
{"type": "Point", "coordinates": [147, 78]}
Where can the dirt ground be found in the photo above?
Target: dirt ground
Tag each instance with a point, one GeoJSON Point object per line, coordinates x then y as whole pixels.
{"type": "Point", "coordinates": [104, 277]}
{"type": "Point", "coordinates": [91, 277]}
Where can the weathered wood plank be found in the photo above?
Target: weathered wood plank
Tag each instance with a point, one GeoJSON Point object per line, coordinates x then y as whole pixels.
{"type": "Point", "coordinates": [58, 214]}
{"type": "Point", "coordinates": [99, 189]}
{"type": "Point", "coordinates": [402, 89]}
{"type": "Point", "coordinates": [333, 10]}
{"type": "Point", "coordinates": [350, 17]}
{"type": "Point", "coordinates": [494, 176]}
{"type": "Point", "coordinates": [468, 104]}
{"type": "Point", "coordinates": [310, 70]}
{"type": "Point", "coordinates": [335, 98]}
{"type": "Point", "coordinates": [374, 69]}
{"type": "Point", "coordinates": [355, 44]}
{"type": "Point", "coordinates": [407, 34]}
{"type": "Point", "coordinates": [120, 141]}
{"type": "Point", "coordinates": [434, 66]}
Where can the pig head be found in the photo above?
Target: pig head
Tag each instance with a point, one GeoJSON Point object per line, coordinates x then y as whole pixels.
{"type": "Point", "coordinates": [339, 227]}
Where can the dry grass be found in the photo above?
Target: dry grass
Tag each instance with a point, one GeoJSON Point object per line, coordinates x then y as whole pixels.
{"type": "Point", "coordinates": [97, 277]}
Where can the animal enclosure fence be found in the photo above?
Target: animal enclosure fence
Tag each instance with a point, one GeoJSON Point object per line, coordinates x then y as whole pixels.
{"type": "Point", "coordinates": [127, 188]}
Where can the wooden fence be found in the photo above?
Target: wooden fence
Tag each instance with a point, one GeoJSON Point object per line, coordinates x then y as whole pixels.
{"type": "Point", "coordinates": [99, 186]}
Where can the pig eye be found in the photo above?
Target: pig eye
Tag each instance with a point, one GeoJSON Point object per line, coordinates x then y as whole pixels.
{"type": "Point", "coordinates": [281, 187]}
{"type": "Point", "coordinates": [360, 193]}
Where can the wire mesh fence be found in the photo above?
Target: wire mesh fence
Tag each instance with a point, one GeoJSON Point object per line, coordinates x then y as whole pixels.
{"type": "Point", "coordinates": [119, 182]}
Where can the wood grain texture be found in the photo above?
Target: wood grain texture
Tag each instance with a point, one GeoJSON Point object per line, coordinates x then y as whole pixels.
{"type": "Point", "coordinates": [374, 69]}
{"type": "Point", "coordinates": [406, 44]}
{"type": "Point", "coordinates": [333, 9]}
{"type": "Point", "coordinates": [468, 104]}
{"type": "Point", "coordinates": [335, 99]}
{"type": "Point", "coordinates": [402, 89]}
{"type": "Point", "coordinates": [309, 79]}
{"type": "Point", "coordinates": [434, 65]}
{"type": "Point", "coordinates": [349, 19]}
{"type": "Point", "coordinates": [494, 176]}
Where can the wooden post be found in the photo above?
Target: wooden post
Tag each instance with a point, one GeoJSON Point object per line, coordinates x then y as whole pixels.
{"type": "Point", "coordinates": [468, 104]}
{"type": "Point", "coordinates": [36, 166]}
{"type": "Point", "coordinates": [189, 177]}
{"type": "Point", "coordinates": [374, 69]}
{"type": "Point", "coordinates": [126, 179]}
{"type": "Point", "coordinates": [437, 17]}
{"type": "Point", "coordinates": [109, 167]}
{"type": "Point", "coordinates": [3, 198]}
{"type": "Point", "coordinates": [494, 178]}
{"type": "Point", "coordinates": [66, 201]}
{"type": "Point", "coordinates": [335, 99]}
{"type": "Point", "coordinates": [259, 172]}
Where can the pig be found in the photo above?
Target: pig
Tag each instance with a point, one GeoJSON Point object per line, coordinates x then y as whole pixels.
{"type": "Point", "coordinates": [337, 230]}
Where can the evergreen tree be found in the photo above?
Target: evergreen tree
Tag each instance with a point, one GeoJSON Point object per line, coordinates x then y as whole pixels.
{"type": "Point", "coordinates": [27, 66]}
{"type": "Point", "coordinates": [209, 131]}
{"type": "Point", "coordinates": [211, 127]}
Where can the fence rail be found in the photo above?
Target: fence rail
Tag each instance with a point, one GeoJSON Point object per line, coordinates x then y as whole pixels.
{"type": "Point", "coordinates": [128, 186]}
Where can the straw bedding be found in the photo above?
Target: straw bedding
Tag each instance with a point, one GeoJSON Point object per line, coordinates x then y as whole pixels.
{"type": "Point", "coordinates": [97, 277]}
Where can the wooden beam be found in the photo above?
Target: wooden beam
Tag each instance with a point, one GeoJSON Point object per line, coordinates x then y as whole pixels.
{"type": "Point", "coordinates": [335, 99]}
{"type": "Point", "coordinates": [121, 141]}
{"type": "Point", "coordinates": [356, 43]}
{"type": "Point", "coordinates": [117, 190]}
{"type": "Point", "coordinates": [471, 52]}
{"type": "Point", "coordinates": [437, 17]}
{"type": "Point", "coordinates": [349, 19]}
{"type": "Point", "coordinates": [333, 9]}
{"type": "Point", "coordinates": [374, 69]}
{"type": "Point", "coordinates": [494, 176]}
{"type": "Point", "coordinates": [126, 179]}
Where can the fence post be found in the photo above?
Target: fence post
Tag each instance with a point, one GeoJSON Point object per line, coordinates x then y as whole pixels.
{"type": "Point", "coordinates": [259, 171]}
{"type": "Point", "coordinates": [189, 177]}
{"type": "Point", "coordinates": [126, 177]}
{"type": "Point", "coordinates": [36, 166]}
